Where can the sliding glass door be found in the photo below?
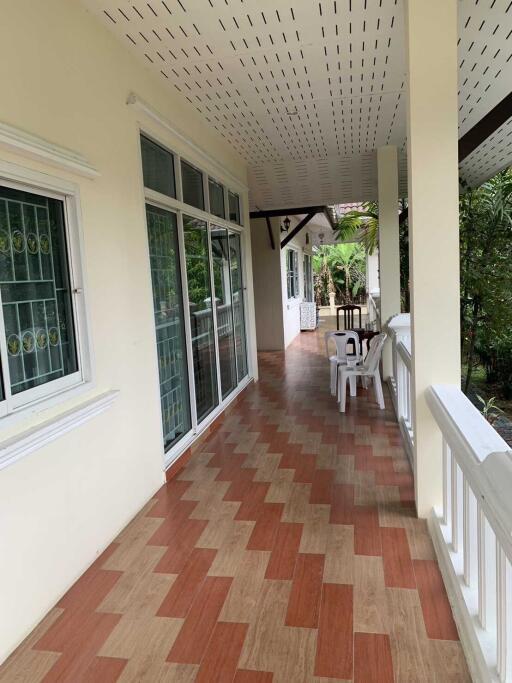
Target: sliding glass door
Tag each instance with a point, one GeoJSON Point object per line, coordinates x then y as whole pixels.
{"type": "Point", "coordinates": [169, 323]}
{"type": "Point", "coordinates": [237, 288]}
{"type": "Point", "coordinates": [197, 260]}
{"type": "Point", "coordinates": [224, 308]}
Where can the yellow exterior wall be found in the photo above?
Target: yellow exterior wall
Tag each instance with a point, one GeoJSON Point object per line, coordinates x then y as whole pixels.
{"type": "Point", "coordinates": [66, 79]}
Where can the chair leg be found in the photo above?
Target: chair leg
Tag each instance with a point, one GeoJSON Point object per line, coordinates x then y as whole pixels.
{"type": "Point", "coordinates": [379, 394]}
{"type": "Point", "coordinates": [353, 386]}
{"type": "Point", "coordinates": [334, 373]}
{"type": "Point", "coordinates": [343, 391]}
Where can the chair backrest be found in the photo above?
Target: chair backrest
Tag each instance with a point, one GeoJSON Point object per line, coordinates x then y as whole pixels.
{"type": "Point", "coordinates": [372, 359]}
{"type": "Point", "coordinates": [342, 339]}
{"type": "Point", "coordinates": [327, 337]}
{"type": "Point", "coordinates": [348, 315]}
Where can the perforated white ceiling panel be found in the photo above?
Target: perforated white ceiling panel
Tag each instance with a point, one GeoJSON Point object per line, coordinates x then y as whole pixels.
{"type": "Point", "coordinates": [305, 91]}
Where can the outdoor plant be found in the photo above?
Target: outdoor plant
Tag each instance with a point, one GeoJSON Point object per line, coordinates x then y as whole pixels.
{"type": "Point", "coordinates": [489, 409]}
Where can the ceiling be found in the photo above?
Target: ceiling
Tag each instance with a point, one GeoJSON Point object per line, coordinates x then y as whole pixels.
{"type": "Point", "coordinates": [306, 92]}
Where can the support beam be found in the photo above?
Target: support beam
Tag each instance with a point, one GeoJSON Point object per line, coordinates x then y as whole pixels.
{"type": "Point", "coordinates": [296, 211]}
{"type": "Point", "coordinates": [488, 125]}
{"type": "Point", "coordinates": [432, 162]}
{"type": "Point", "coordinates": [389, 245]}
{"type": "Point", "coordinates": [297, 229]}
{"type": "Point", "coordinates": [270, 233]}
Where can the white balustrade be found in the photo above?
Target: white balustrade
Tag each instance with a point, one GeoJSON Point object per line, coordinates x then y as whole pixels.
{"type": "Point", "coordinates": [399, 330]}
{"type": "Point", "coordinates": [472, 532]}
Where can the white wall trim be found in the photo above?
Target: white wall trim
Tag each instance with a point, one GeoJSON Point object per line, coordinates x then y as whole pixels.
{"type": "Point", "coordinates": [16, 447]}
{"type": "Point", "coordinates": [137, 102]}
{"type": "Point", "coordinates": [28, 145]}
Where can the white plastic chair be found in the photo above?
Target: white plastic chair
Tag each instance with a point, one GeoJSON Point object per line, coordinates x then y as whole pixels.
{"type": "Point", "coordinates": [341, 339]}
{"type": "Point", "coordinates": [369, 368]}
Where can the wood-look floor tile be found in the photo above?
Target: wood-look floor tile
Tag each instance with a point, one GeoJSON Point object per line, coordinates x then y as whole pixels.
{"type": "Point", "coordinates": [178, 600]}
{"type": "Point", "coordinates": [408, 638]}
{"type": "Point", "coordinates": [232, 549]}
{"type": "Point", "coordinates": [263, 646]}
{"type": "Point", "coordinates": [315, 534]}
{"type": "Point", "coordinates": [372, 658]}
{"type": "Point", "coordinates": [396, 556]}
{"type": "Point", "coordinates": [436, 608]}
{"type": "Point", "coordinates": [222, 654]}
{"type": "Point", "coordinates": [246, 588]}
{"type": "Point", "coordinates": [342, 507]}
{"type": "Point", "coordinates": [27, 666]}
{"type": "Point", "coordinates": [367, 540]}
{"type": "Point", "coordinates": [304, 605]}
{"type": "Point", "coordinates": [296, 507]}
{"type": "Point", "coordinates": [193, 638]}
{"type": "Point", "coordinates": [339, 555]}
{"type": "Point", "coordinates": [281, 564]}
{"type": "Point", "coordinates": [321, 488]}
{"type": "Point", "coordinates": [334, 652]}
{"type": "Point", "coordinates": [246, 676]}
{"type": "Point", "coordinates": [265, 529]}
{"type": "Point", "coordinates": [370, 601]}
{"type": "Point", "coordinates": [449, 662]}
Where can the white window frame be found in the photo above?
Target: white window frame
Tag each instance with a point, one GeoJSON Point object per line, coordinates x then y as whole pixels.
{"type": "Point", "coordinates": [292, 274]}
{"type": "Point", "coordinates": [55, 391]}
{"type": "Point", "coordinates": [180, 208]}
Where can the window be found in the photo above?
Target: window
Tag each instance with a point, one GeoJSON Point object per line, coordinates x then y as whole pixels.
{"type": "Point", "coordinates": [292, 273]}
{"type": "Point", "coordinates": [234, 207]}
{"type": "Point", "coordinates": [192, 183]}
{"type": "Point", "coordinates": [39, 342]}
{"type": "Point", "coordinates": [216, 192]}
{"type": "Point", "coordinates": [308, 278]}
{"type": "Point", "coordinates": [157, 168]}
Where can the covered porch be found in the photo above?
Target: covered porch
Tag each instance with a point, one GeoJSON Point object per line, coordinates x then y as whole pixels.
{"type": "Point", "coordinates": [286, 549]}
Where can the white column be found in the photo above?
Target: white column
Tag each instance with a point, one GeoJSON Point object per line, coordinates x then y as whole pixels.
{"type": "Point", "coordinates": [431, 29]}
{"type": "Point", "coordinates": [389, 249]}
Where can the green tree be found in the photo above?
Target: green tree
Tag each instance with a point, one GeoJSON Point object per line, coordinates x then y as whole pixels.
{"type": "Point", "coordinates": [339, 268]}
{"type": "Point", "coordinates": [486, 279]}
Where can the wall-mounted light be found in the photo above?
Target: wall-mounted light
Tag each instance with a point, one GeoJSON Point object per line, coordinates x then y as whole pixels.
{"type": "Point", "coordinates": [286, 225]}
{"type": "Point", "coordinates": [321, 237]}
{"type": "Point", "coordinates": [307, 238]}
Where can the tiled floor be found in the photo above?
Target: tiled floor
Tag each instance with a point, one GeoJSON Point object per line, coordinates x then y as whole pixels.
{"type": "Point", "coordinates": [287, 551]}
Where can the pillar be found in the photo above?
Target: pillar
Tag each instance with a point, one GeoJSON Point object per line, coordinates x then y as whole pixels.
{"type": "Point", "coordinates": [389, 248]}
{"type": "Point", "coordinates": [432, 118]}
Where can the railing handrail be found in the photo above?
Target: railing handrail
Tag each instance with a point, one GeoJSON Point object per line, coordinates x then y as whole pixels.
{"type": "Point", "coordinates": [483, 456]}
{"type": "Point", "coordinates": [404, 351]}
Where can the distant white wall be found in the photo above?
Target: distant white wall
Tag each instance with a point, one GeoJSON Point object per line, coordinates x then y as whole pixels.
{"type": "Point", "coordinates": [268, 304]}
{"type": "Point", "coordinates": [291, 307]}
{"type": "Point", "coordinates": [372, 271]}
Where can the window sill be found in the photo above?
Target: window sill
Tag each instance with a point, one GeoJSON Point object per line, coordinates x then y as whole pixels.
{"type": "Point", "coordinates": [16, 447]}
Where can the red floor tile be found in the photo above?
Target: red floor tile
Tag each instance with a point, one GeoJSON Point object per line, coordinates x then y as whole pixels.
{"type": "Point", "coordinates": [90, 589]}
{"type": "Point", "coordinates": [172, 526]}
{"type": "Point", "coordinates": [175, 557]}
{"type": "Point", "coordinates": [168, 498]}
{"type": "Point", "coordinates": [178, 600]}
{"type": "Point", "coordinates": [396, 557]}
{"type": "Point", "coordinates": [342, 506]}
{"type": "Point", "coordinates": [190, 645]}
{"type": "Point", "coordinates": [265, 529]}
{"type": "Point", "coordinates": [372, 658]}
{"type": "Point", "coordinates": [321, 490]}
{"type": "Point", "coordinates": [253, 499]}
{"type": "Point", "coordinates": [334, 650]}
{"type": "Point", "coordinates": [222, 654]}
{"type": "Point", "coordinates": [437, 612]}
{"type": "Point", "coordinates": [284, 553]}
{"type": "Point", "coordinates": [304, 602]}
{"type": "Point", "coordinates": [366, 530]}
{"type": "Point", "coordinates": [304, 466]}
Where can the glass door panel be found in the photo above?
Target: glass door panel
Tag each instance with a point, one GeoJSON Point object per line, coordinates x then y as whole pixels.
{"type": "Point", "coordinates": [224, 308]}
{"type": "Point", "coordinates": [235, 257]}
{"type": "Point", "coordinates": [201, 315]}
{"type": "Point", "coordinates": [169, 323]}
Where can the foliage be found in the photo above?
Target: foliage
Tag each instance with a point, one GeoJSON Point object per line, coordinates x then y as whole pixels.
{"type": "Point", "coordinates": [489, 410]}
{"type": "Point", "coordinates": [361, 225]}
{"type": "Point", "coordinates": [486, 280]}
{"type": "Point", "coordinates": [340, 269]}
